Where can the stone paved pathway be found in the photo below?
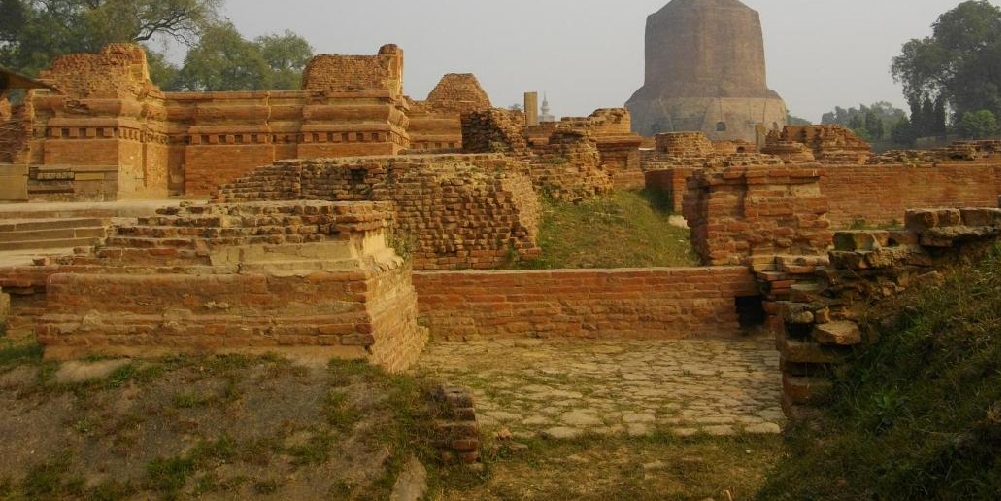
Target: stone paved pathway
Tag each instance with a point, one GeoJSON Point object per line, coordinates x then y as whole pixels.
{"type": "Point", "coordinates": [563, 389]}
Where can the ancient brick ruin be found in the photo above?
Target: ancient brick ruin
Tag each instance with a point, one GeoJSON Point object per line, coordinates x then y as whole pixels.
{"type": "Point", "coordinates": [461, 211]}
{"type": "Point", "coordinates": [816, 323]}
{"type": "Point", "coordinates": [324, 200]}
{"type": "Point", "coordinates": [301, 277]}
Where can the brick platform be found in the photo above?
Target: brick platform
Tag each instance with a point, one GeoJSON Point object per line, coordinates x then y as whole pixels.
{"type": "Point", "coordinates": [313, 278]}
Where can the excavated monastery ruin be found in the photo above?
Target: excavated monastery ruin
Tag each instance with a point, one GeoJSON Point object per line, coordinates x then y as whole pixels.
{"type": "Point", "coordinates": [347, 219]}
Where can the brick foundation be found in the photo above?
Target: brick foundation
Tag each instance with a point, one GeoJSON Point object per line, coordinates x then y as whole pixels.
{"type": "Point", "coordinates": [299, 278]}
{"type": "Point", "coordinates": [644, 304]}
{"type": "Point", "coordinates": [452, 211]}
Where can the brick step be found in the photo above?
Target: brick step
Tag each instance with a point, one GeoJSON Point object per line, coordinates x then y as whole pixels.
{"type": "Point", "coordinates": [77, 210]}
{"type": "Point", "coordinates": [299, 265]}
{"type": "Point", "coordinates": [190, 220]}
{"type": "Point", "coordinates": [188, 233]}
{"type": "Point", "coordinates": [51, 224]}
{"type": "Point", "coordinates": [180, 242]}
{"type": "Point", "coordinates": [233, 222]}
{"type": "Point", "coordinates": [52, 234]}
{"type": "Point", "coordinates": [50, 244]}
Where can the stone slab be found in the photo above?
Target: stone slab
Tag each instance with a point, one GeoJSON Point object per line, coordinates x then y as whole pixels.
{"type": "Point", "coordinates": [843, 333]}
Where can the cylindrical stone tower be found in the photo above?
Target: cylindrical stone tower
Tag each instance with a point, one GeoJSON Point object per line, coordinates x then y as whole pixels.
{"type": "Point", "coordinates": [705, 71]}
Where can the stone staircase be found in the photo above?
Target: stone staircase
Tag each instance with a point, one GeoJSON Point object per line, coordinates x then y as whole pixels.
{"type": "Point", "coordinates": [37, 229]}
{"type": "Point", "coordinates": [32, 234]}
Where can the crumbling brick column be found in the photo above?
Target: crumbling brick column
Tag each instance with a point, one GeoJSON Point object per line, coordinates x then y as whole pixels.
{"type": "Point", "coordinates": [494, 131]}
{"type": "Point", "coordinates": [457, 434]}
{"type": "Point", "coordinates": [744, 214]}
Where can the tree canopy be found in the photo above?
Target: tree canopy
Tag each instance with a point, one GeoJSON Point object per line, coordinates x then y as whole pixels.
{"type": "Point", "coordinates": [224, 60]}
{"type": "Point", "coordinates": [34, 32]}
{"type": "Point", "coordinates": [872, 123]}
{"type": "Point", "coordinates": [959, 65]}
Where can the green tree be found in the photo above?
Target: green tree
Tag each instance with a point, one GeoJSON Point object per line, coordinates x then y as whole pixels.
{"type": "Point", "coordinates": [36, 31]}
{"type": "Point", "coordinates": [959, 65]}
{"type": "Point", "coordinates": [903, 133]}
{"type": "Point", "coordinates": [224, 60]}
{"type": "Point", "coordinates": [162, 72]}
{"type": "Point", "coordinates": [977, 125]}
{"type": "Point", "coordinates": [872, 123]}
{"type": "Point", "coordinates": [794, 120]}
{"type": "Point", "coordinates": [286, 54]}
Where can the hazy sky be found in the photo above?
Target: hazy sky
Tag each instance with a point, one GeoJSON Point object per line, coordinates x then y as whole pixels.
{"type": "Point", "coordinates": [588, 54]}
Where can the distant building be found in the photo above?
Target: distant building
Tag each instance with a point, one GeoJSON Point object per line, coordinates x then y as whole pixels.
{"type": "Point", "coordinates": [546, 115]}
{"type": "Point", "coordinates": [705, 71]}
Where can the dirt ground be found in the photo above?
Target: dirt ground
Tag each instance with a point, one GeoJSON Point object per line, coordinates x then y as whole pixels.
{"type": "Point", "coordinates": [233, 427]}
{"type": "Point", "coordinates": [206, 428]}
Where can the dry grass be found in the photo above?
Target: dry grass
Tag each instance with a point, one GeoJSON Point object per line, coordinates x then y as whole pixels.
{"type": "Point", "coordinates": [218, 427]}
{"type": "Point", "coordinates": [620, 468]}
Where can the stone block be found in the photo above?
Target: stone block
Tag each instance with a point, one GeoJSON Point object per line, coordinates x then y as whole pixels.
{"type": "Point", "coordinates": [841, 333]}
{"type": "Point", "coordinates": [806, 390]}
{"type": "Point", "coordinates": [860, 240]}
{"type": "Point", "coordinates": [796, 313]}
{"type": "Point", "coordinates": [921, 220]}
{"type": "Point", "coordinates": [888, 257]}
{"type": "Point", "coordinates": [806, 352]}
{"type": "Point", "coordinates": [904, 237]}
{"type": "Point", "coordinates": [981, 217]}
{"type": "Point", "coordinates": [847, 260]}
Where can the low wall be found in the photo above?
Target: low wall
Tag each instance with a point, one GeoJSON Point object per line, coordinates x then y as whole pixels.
{"type": "Point", "coordinates": [360, 314]}
{"type": "Point", "coordinates": [880, 194]}
{"type": "Point", "coordinates": [452, 211]}
{"type": "Point", "coordinates": [672, 303]}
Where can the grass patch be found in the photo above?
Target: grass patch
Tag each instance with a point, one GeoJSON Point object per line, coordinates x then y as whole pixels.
{"type": "Point", "coordinates": [140, 373]}
{"type": "Point", "coordinates": [169, 476]}
{"type": "Point", "coordinates": [919, 414]}
{"type": "Point", "coordinates": [651, 468]}
{"type": "Point", "coordinates": [20, 353]}
{"type": "Point", "coordinates": [625, 229]}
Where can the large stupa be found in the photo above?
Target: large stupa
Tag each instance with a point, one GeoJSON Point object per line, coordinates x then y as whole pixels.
{"type": "Point", "coordinates": [705, 71]}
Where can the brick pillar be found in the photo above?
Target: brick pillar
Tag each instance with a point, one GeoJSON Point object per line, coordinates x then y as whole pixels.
{"type": "Point", "coordinates": [744, 214]}
{"type": "Point", "coordinates": [531, 109]}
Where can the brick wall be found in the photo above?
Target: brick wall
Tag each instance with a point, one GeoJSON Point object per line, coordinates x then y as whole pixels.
{"type": "Point", "coordinates": [434, 132]}
{"type": "Point", "coordinates": [650, 303]}
{"type": "Point", "coordinates": [302, 277]}
{"type": "Point", "coordinates": [109, 113]}
{"type": "Point", "coordinates": [494, 131]}
{"type": "Point", "coordinates": [452, 211]}
{"type": "Point", "coordinates": [351, 73]}
{"type": "Point", "coordinates": [815, 319]}
{"type": "Point", "coordinates": [879, 194]}
{"type": "Point", "coordinates": [739, 213]}
{"type": "Point", "coordinates": [569, 167]}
